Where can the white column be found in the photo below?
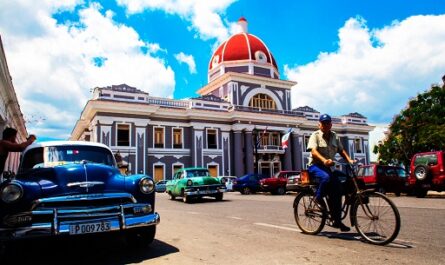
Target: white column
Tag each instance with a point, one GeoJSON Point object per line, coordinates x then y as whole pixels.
{"type": "Point", "coordinates": [140, 132]}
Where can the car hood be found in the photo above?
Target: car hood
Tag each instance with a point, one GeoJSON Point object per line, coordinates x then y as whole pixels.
{"type": "Point", "coordinates": [76, 179]}
{"type": "Point", "coordinates": [205, 181]}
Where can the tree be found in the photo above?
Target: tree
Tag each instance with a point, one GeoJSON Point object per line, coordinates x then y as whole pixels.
{"type": "Point", "coordinates": [420, 127]}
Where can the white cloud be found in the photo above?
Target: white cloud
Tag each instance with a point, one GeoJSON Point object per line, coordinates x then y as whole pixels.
{"type": "Point", "coordinates": [205, 16]}
{"type": "Point", "coordinates": [54, 67]}
{"type": "Point", "coordinates": [187, 59]}
{"type": "Point", "coordinates": [374, 71]}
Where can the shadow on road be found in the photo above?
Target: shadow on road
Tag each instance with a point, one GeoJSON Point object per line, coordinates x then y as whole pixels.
{"type": "Point", "coordinates": [203, 200]}
{"type": "Point", "coordinates": [85, 250]}
{"type": "Point", "coordinates": [357, 237]}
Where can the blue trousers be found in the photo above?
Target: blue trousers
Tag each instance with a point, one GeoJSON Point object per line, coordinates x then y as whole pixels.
{"type": "Point", "coordinates": [330, 185]}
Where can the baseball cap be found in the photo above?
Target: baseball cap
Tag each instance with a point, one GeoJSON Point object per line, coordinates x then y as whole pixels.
{"type": "Point", "coordinates": [324, 117]}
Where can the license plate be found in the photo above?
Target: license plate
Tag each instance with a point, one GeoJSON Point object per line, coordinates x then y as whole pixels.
{"type": "Point", "coordinates": [88, 228]}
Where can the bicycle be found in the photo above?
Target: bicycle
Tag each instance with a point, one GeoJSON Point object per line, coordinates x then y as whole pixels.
{"type": "Point", "coordinates": [374, 216]}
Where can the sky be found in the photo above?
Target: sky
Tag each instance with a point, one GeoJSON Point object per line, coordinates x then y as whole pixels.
{"type": "Point", "coordinates": [368, 56]}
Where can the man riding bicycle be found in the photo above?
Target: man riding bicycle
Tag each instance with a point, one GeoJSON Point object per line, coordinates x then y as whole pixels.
{"type": "Point", "coordinates": [323, 145]}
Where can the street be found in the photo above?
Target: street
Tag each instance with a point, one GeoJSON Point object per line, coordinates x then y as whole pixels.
{"type": "Point", "coordinates": [250, 229]}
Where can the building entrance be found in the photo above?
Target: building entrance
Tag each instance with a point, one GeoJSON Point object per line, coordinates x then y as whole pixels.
{"type": "Point", "coordinates": [269, 167]}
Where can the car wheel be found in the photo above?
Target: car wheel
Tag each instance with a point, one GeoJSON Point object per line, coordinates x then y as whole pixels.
{"type": "Point", "coordinates": [281, 190]}
{"type": "Point", "coordinates": [219, 196]}
{"type": "Point", "coordinates": [172, 197]}
{"type": "Point", "coordinates": [141, 237]}
{"type": "Point", "coordinates": [421, 172]}
{"type": "Point", "coordinates": [246, 190]}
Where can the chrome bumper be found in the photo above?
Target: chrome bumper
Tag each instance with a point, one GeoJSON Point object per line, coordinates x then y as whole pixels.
{"type": "Point", "coordinates": [293, 187]}
{"type": "Point", "coordinates": [204, 192]}
{"type": "Point", "coordinates": [63, 219]}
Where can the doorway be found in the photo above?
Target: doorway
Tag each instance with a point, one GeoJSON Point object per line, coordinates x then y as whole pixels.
{"type": "Point", "coordinates": [159, 172]}
{"type": "Point", "coordinates": [213, 170]}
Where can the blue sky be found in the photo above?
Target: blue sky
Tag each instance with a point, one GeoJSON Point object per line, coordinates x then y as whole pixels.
{"type": "Point", "coordinates": [347, 56]}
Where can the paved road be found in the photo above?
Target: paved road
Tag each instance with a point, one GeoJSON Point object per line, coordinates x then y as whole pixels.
{"type": "Point", "coordinates": [252, 229]}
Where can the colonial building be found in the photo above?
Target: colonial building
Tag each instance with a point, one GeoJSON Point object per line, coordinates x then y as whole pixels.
{"type": "Point", "coordinates": [234, 127]}
{"type": "Point", "coordinates": [10, 113]}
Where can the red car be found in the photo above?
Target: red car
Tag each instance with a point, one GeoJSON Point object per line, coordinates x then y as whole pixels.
{"type": "Point", "coordinates": [383, 178]}
{"type": "Point", "coordinates": [427, 172]}
{"type": "Point", "coordinates": [277, 184]}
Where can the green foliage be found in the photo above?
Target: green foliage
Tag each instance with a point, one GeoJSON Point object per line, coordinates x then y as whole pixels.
{"type": "Point", "coordinates": [420, 127]}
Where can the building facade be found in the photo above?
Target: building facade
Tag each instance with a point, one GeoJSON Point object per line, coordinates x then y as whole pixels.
{"type": "Point", "coordinates": [10, 113]}
{"type": "Point", "coordinates": [233, 128]}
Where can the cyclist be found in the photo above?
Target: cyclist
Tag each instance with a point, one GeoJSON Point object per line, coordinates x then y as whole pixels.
{"type": "Point", "coordinates": [323, 145]}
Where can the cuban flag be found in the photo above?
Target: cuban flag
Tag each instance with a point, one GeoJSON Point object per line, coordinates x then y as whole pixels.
{"type": "Point", "coordinates": [285, 139]}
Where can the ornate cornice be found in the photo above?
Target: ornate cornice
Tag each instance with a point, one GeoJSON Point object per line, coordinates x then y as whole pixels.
{"type": "Point", "coordinates": [240, 77]}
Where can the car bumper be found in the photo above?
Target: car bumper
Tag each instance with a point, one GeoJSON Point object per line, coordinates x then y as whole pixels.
{"type": "Point", "coordinates": [63, 221]}
{"type": "Point", "coordinates": [204, 192]}
{"type": "Point", "coordinates": [294, 187]}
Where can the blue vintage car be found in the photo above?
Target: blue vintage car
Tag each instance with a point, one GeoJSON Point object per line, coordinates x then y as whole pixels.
{"type": "Point", "coordinates": [75, 188]}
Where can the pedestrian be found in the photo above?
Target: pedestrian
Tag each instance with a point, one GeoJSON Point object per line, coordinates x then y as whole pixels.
{"type": "Point", "coordinates": [324, 144]}
{"type": "Point", "coordinates": [9, 144]}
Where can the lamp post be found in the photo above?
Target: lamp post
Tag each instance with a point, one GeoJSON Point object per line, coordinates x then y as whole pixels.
{"type": "Point", "coordinates": [255, 149]}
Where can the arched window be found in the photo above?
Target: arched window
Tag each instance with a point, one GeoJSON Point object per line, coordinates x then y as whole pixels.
{"type": "Point", "coordinates": [262, 101]}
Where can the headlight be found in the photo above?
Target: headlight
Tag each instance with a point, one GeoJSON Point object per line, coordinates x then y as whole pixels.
{"type": "Point", "coordinates": [11, 193]}
{"type": "Point", "coordinates": [146, 185]}
{"type": "Point", "coordinates": [189, 182]}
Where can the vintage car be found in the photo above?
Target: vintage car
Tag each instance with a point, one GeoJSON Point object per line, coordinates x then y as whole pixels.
{"type": "Point", "coordinates": [67, 188]}
{"type": "Point", "coordinates": [195, 183]}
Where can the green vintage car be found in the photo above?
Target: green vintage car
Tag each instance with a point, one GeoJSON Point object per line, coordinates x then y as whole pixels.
{"type": "Point", "coordinates": [194, 183]}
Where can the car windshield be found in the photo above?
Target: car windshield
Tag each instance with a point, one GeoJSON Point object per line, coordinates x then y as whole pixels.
{"type": "Point", "coordinates": [197, 173]}
{"type": "Point", "coordinates": [51, 156]}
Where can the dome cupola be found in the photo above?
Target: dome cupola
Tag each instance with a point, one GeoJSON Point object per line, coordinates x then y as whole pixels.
{"type": "Point", "coordinates": [243, 53]}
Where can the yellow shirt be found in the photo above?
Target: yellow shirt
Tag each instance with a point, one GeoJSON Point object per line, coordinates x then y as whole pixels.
{"type": "Point", "coordinates": [328, 149]}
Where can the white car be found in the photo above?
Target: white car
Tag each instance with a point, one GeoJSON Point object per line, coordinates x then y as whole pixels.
{"type": "Point", "coordinates": [229, 182]}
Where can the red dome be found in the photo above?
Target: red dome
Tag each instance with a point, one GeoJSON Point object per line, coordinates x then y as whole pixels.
{"type": "Point", "coordinates": [241, 47]}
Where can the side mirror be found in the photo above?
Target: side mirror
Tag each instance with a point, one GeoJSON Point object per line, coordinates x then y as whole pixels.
{"type": "Point", "coordinates": [8, 175]}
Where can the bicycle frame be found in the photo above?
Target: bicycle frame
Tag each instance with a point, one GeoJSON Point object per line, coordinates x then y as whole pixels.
{"type": "Point", "coordinates": [350, 197]}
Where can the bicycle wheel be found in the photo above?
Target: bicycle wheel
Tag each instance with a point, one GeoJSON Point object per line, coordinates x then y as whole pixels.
{"type": "Point", "coordinates": [308, 215]}
{"type": "Point", "coordinates": [377, 220]}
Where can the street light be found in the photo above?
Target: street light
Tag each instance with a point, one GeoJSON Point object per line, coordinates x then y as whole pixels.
{"type": "Point", "coordinates": [255, 149]}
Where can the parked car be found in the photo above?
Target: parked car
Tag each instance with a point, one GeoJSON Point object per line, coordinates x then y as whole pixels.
{"type": "Point", "coordinates": [427, 172]}
{"type": "Point", "coordinates": [293, 181]}
{"type": "Point", "coordinates": [277, 184]}
{"type": "Point", "coordinates": [229, 182]}
{"type": "Point", "coordinates": [383, 178]}
{"type": "Point", "coordinates": [66, 188]}
{"type": "Point", "coordinates": [249, 183]}
{"type": "Point", "coordinates": [160, 186]}
{"type": "Point", "coordinates": [195, 183]}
